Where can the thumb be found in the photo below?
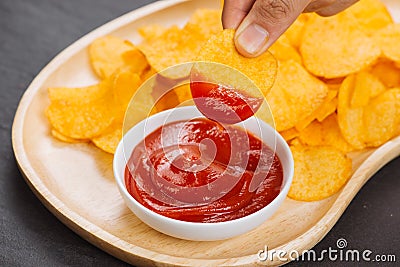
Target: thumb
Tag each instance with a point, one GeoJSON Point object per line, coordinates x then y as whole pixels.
{"type": "Point", "coordinates": [265, 22]}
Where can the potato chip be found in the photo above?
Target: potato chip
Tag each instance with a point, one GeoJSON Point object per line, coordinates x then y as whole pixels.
{"type": "Point", "coordinates": [106, 55]}
{"type": "Point", "coordinates": [290, 134]}
{"type": "Point", "coordinates": [109, 139]}
{"type": "Point", "coordinates": [333, 82]}
{"type": "Point", "coordinates": [295, 32]}
{"type": "Point", "coordinates": [176, 73]}
{"type": "Point", "coordinates": [335, 47]}
{"type": "Point", "coordinates": [147, 74]}
{"type": "Point", "coordinates": [124, 86]}
{"type": "Point", "coordinates": [225, 75]}
{"type": "Point", "coordinates": [350, 119]}
{"type": "Point", "coordinates": [388, 39]}
{"type": "Point", "coordinates": [79, 95]}
{"type": "Point", "coordinates": [371, 122]}
{"type": "Point", "coordinates": [66, 139]}
{"type": "Point", "coordinates": [282, 50]}
{"type": "Point", "coordinates": [167, 101]}
{"type": "Point", "coordinates": [325, 133]}
{"type": "Point", "coordinates": [295, 95]}
{"type": "Point", "coordinates": [135, 61]}
{"type": "Point", "coordinates": [371, 15]}
{"type": "Point", "coordinates": [183, 93]}
{"type": "Point", "coordinates": [319, 172]}
{"type": "Point", "coordinates": [366, 85]}
{"type": "Point", "coordinates": [327, 107]}
{"type": "Point", "coordinates": [208, 19]}
{"type": "Point", "coordinates": [382, 118]}
{"type": "Point", "coordinates": [80, 121]}
{"type": "Point", "coordinates": [388, 74]}
{"type": "Point", "coordinates": [141, 106]}
{"type": "Point", "coordinates": [81, 113]}
{"type": "Point", "coordinates": [221, 49]}
{"type": "Point", "coordinates": [174, 46]}
{"type": "Point", "coordinates": [151, 31]}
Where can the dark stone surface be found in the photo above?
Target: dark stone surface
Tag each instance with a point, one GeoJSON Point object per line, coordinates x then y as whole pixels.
{"type": "Point", "coordinates": [31, 34]}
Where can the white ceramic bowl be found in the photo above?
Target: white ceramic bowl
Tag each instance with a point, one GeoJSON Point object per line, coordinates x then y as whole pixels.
{"type": "Point", "coordinates": [196, 230]}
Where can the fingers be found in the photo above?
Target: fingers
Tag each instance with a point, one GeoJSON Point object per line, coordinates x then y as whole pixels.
{"type": "Point", "coordinates": [234, 12]}
{"type": "Point", "coordinates": [265, 22]}
{"type": "Point", "coordinates": [318, 4]}
{"type": "Point", "coordinates": [335, 8]}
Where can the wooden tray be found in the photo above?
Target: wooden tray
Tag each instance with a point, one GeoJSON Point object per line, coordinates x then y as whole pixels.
{"type": "Point", "coordinates": [76, 183]}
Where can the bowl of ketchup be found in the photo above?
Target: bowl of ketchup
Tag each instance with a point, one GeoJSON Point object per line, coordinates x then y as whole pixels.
{"type": "Point", "coordinates": [193, 178]}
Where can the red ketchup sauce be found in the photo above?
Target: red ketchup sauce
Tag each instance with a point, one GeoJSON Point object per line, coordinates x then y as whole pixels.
{"type": "Point", "coordinates": [222, 103]}
{"type": "Point", "coordinates": [200, 171]}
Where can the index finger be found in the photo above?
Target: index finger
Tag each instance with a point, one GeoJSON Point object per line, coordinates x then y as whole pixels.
{"type": "Point", "coordinates": [234, 12]}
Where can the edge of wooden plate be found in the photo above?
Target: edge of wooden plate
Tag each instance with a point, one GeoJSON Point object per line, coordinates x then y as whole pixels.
{"type": "Point", "coordinates": [137, 255]}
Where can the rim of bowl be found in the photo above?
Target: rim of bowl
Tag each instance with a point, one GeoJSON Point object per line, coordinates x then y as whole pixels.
{"type": "Point", "coordinates": [121, 181]}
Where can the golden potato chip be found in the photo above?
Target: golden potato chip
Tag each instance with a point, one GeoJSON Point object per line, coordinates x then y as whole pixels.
{"type": "Point", "coordinates": [282, 50]}
{"type": "Point", "coordinates": [382, 118]}
{"type": "Point", "coordinates": [350, 119]}
{"type": "Point", "coordinates": [371, 81]}
{"type": "Point", "coordinates": [295, 32]}
{"type": "Point", "coordinates": [135, 61]}
{"type": "Point", "coordinates": [305, 122]}
{"type": "Point", "coordinates": [388, 39]}
{"type": "Point", "coordinates": [79, 95]}
{"type": "Point", "coordinates": [106, 54]}
{"type": "Point", "coordinates": [163, 93]}
{"type": "Point", "coordinates": [371, 15]}
{"type": "Point", "coordinates": [80, 121]}
{"type": "Point", "coordinates": [327, 107]}
{"type": "Point", "coordinates": [221, 49]}
{"type": "Point", "coordinates": [147, 74]}
{"type": "Point", "coordinates": [335, 47]}
{"type": "Point", "coordinates": [151, 31]}
{"type": "Point", "coordinates": [374, 122]}
{"type": "Point", "coordinates": [176, 73]}
{"type": "Point", "coordinates": [208, 19]}
{"type": "Point", "coordinates": [366, 85]}
{"type": "Point", "coordinates": [295, 95]}
{"type": "Point", "coordinates": [319, 172]}
{"type": "Point", "coordinates": [333, 84]}
{"type": "Point", "coordinates": [141, 106]}
{"type": "Point", "coordinates": [289, 134]}
{"type": "Point", "coordinates": [81, 113]}
{"type": "Point", "coordinates": [109, 139]}
{"type": "Point", "coordinates": [125, 85]}
{"type": "Point", "coordinates": [325, 133]}
{"type": "Point", "coordinates": [66, 139]}
{"type": "Point", "coordinates": [388, 74]}
{"type": "Point", "coordinates": [174, 46]}
{"type": "Point", "coordinates": [222, 74]}
{"type": "Point", "coordinates": [167, 101]}
{"type": "Point", "coordinates": [183, 93]}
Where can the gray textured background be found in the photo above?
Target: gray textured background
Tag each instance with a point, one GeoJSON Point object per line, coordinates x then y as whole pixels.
{"type": "Point", "coordinates": [32, 32]}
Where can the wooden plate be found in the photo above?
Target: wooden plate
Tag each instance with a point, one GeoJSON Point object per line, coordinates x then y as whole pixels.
{"type": "Point", "coordinates": [76, 183]}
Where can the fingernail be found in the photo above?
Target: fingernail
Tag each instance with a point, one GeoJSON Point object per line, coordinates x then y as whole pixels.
{"type": "Point", "coordinates": [253, 38]}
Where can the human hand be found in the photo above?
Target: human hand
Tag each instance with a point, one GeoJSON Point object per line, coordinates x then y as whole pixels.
{"type": "Point", "coordinates": [259, 23]}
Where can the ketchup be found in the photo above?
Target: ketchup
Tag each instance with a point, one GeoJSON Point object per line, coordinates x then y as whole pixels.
{"type": "Point", "coordinates": [200, 171]}
{"type": "Point", "coordinates": [222, 103]}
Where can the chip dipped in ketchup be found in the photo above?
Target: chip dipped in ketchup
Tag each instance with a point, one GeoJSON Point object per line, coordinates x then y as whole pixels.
{"type": "Point", "coordinates": [220, 102]}
{"type": "Point", "coordinates": [201, 171]}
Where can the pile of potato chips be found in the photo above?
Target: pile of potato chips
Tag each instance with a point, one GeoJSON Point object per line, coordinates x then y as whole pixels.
{"type": "Point", "coordinates": [336, 89]}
